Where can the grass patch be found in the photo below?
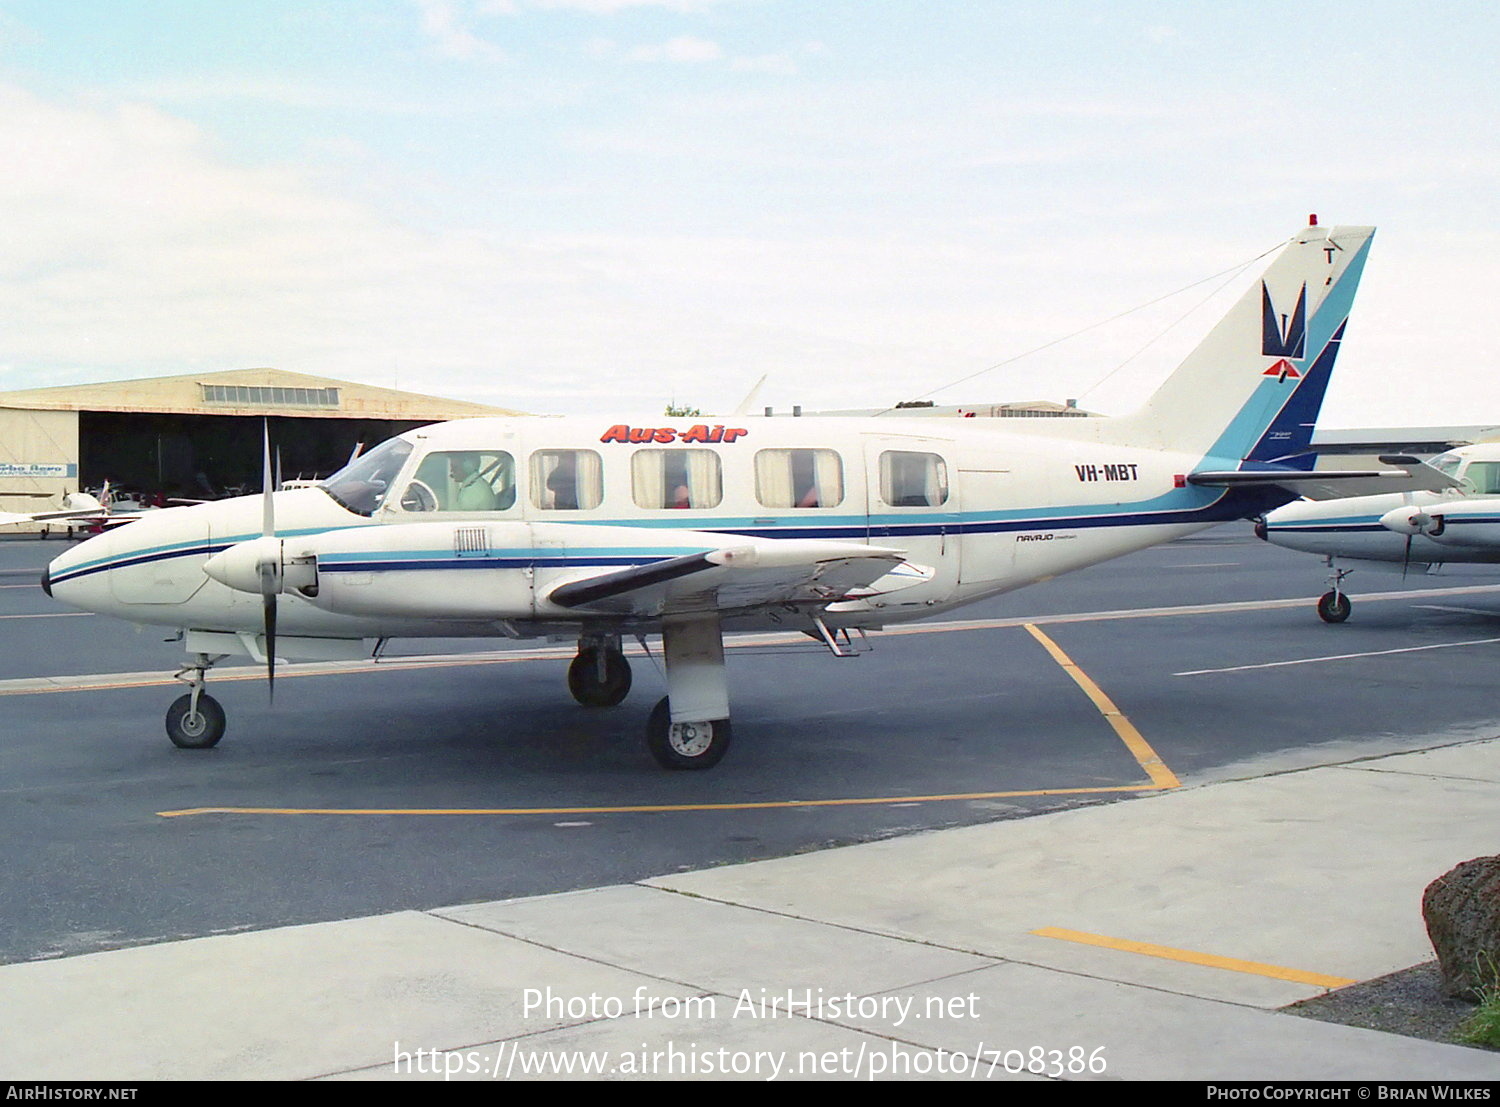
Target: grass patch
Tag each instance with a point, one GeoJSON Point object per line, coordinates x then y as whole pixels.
{"type": "Point", "coordinates": [1482, 1028]}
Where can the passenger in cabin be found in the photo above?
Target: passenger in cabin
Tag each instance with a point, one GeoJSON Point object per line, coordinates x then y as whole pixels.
{"type": "Point", "coordinates": [805, 480]}
{"type": "Point", "coordinates": [681, 498]}
{"type": "Point", "coordinates": [473, 491]}
{"type": "Point", "coordinates": [562, 483]}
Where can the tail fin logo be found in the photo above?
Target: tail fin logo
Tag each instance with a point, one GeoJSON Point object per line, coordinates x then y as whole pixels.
{"type": "Point", "coordinates": [1281, 337]}
{"type": "Point", "coordinates": [1283, 371]}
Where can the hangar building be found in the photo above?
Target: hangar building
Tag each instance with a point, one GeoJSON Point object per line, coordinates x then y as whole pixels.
{"type": "Point", "coordinates": [198, 435]}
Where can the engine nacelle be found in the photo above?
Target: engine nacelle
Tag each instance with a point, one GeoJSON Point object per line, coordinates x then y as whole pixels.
{"type": "Point", "coordinates": [425, 571]}
{"type": "Point", "coordinates": [261, 566]}
{"type": "Point", "coordinates": [1407, 519]}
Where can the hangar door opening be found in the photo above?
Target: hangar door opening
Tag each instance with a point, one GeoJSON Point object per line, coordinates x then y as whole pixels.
{"type": "Point", "coordinates": [209, 456]}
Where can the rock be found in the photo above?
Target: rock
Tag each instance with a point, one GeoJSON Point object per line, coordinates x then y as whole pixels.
{"type": "Point", "coordinates": [1462, 912]}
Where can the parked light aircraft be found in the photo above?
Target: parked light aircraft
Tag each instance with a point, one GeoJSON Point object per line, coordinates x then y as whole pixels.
{"type": "Point", "coordinates": [1455, 521]}
{"type": "Point", "coordinates": [80, 509]}
{"type": "Point", "coordinates": [601, 528]}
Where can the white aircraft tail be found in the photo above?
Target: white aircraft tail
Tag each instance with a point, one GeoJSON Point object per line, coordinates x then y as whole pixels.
{"type": "Point", "coordinates": [1251, 390]}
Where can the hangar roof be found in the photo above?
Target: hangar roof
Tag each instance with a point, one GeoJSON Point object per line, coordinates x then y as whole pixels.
{"type": "Point", "coordinates": [248, 392]}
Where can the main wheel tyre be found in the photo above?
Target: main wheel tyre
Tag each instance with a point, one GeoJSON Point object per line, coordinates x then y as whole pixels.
{"type": "Point", "coordinates": [198, 730]}
{"type": "Point", "coordinates": [584, 682]}
{"type": "Point", "coordinates": [695, 745]}
{"type": "Point", "coordinates": [1334, 607]}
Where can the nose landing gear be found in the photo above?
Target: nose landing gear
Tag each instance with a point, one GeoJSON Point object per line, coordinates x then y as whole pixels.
{"type": "Point", "coordinates": [1334, 605]}
{"type": "Point", "coordinates": [195, 721]}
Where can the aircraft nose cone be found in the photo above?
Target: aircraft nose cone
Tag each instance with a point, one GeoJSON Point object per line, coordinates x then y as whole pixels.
{"type": "Point", "coordinates": [1260, 529]}
{"type": "Point", "coordinates": [47, 580]}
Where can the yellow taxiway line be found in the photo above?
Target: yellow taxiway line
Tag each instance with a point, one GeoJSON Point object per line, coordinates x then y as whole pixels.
{"type": "Point", "coordinates": [1191, 957]}
{"type": "Point", "coordinates": [1161, 778]}
{"type": "Point", "coordinates": [1140, 749]}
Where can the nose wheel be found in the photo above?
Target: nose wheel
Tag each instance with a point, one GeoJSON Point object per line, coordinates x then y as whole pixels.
{"type": "Point", "coordinates": [1334, 607]}
{"type": "Point", "coordinates": [195, 721]}
{"type": "Point", "coordinates": [195, 726]}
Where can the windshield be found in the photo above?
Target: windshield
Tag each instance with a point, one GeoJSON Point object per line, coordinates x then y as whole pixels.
{"type": "Point", "coordinates": [361, 486]}
{"type": "Point", "coordinates": [1447, 463]}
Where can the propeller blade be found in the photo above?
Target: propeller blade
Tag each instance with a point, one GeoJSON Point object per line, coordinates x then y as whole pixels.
{"type": "Point", "coordinates": [268, 506]}
{"type": "Point", "coordinates": [270, 573]}
{"type": "Point", "coordinates": [1406, 557]}
{"type": "Point", "coordinates": [268, 608]}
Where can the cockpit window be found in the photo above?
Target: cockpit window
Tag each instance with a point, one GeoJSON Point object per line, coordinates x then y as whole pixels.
{"type": "Point", "coordinates": [1483, 477]}
{"type": "Point", "coordinates": [361, 486]}
{"type": "Point", "coordinates": [462, 480]}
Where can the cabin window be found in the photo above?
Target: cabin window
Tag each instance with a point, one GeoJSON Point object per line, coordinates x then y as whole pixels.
{"type": "Point", "coordinates": [462, 480]}
{"type": "Point", "coordinates": [361, 486]}
{"type": "Point", "coordinates": [676, 478]}
{"type": "Point", "coordinates": [799, 478]}
{"type": "Point", "coordinates": [909, 479]}
{"type": "Point", "coordinates": [1483, 477]}
{"type": "Point", "coordinates": [567, 480]}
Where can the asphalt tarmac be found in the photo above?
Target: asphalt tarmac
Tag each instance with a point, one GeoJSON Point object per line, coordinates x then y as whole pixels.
{"type": "Point", "coordinates": [440, 780]}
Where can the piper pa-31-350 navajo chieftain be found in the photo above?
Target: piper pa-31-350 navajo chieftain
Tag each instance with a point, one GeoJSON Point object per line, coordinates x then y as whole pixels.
{"type": "Point", "coordinates": [599, 529]}
{"type": "Point", "coordinates": [1456, 520]}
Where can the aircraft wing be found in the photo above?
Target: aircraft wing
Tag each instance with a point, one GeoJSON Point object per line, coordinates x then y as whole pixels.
{"type": "Point", "coordinates": [11, 518]}
{"type": "Point", "coordinates": [733, 578]}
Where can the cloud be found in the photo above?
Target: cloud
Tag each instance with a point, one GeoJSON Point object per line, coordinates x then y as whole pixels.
{"type": "Point", "coordinates": [598, 7]}
{"type": "Point", "coordinates": [442, 23]}
{"type": "Point", "coordinates": [684, 48]}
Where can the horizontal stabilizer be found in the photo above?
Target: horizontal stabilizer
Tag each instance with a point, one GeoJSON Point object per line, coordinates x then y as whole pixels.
{"type": "Point", "coordinates": [1329, 483]}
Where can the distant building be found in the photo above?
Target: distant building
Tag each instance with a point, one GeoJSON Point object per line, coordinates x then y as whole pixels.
{"type": "Point", "coordinates": [199, 434]}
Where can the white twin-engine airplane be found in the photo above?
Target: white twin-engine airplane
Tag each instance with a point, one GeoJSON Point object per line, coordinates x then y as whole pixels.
{"type": "Point", "coordinates": [597, 529]}
{"type": "Point", "coordinates": [1455, 521]}
{"type": "Point", "coordinates": [79, 509]}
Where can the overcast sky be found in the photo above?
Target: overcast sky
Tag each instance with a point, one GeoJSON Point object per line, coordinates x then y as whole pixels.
{"type": "Point", "coordinates": [602, 205]}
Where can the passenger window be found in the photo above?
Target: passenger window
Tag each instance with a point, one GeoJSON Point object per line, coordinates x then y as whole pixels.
{"type": "Point", "coordinates": [910, 479]}
{"type": "Point", "coordinates": [462, 480]}
{"type": "Point", "coordinates": [567, 480]}
{"type": "Point", "coordinates": [799, 478]}
{"type": "Point", "coordinates": [676, 478]}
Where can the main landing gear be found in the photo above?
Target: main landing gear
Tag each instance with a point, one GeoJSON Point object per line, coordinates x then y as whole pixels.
{"type": "Point", "coordinates": [599, 676]}
{"type": "Point", "coordinates": [689, 727]}
{"type": "Point", "coordinates": [1334, 605]}
{"type": "Point", "coordinates": [196, 721]}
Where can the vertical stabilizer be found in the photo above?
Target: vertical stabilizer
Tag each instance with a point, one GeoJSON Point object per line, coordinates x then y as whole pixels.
{"type": "Point", "coordinates": [1252, 389]}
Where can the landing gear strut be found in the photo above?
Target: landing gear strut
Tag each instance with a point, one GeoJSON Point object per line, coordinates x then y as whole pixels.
{"type": "Point", "coordinates": [689, 728]}
{"type": "Point", "coordinates": [196, 721]}
{"type": "Point", "coordinates": [1334, 605]}
{"type": "Point", "coordinates": [599, 676]}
